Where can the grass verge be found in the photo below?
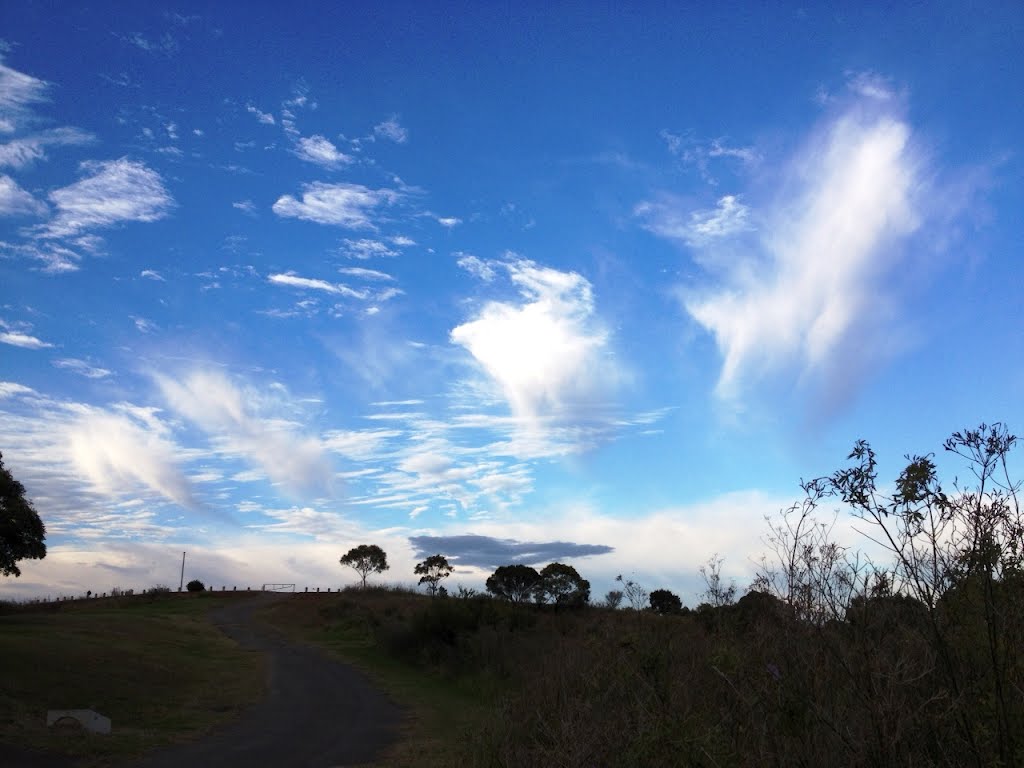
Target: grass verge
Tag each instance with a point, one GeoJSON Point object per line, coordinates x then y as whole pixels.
{"type": "Point", "coordinates": [154, 665]}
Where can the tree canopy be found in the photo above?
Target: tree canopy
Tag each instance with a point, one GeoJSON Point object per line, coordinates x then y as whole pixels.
{"type": "Point", "coordinates": [432, 570]}
{"type": "Point", "coordinates": [561, 585]}
{"type": "Point", "coordinates": [22, 533]}
{"type": "Point", "coordinates": [364, 560]}
{"type": "Point", "coordinates": [515, 583]}
{"type": "Point", "coordinates": [665, 601]}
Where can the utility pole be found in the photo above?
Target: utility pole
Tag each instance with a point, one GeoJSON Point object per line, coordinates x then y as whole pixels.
{"type": "Point", "coordinates": [182, 583]}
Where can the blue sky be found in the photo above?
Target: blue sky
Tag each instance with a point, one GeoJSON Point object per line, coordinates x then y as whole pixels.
{"type": "Point", "coordinates": [552, 281]}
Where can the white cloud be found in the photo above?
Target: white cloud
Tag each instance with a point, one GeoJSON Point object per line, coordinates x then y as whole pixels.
{"type": "Point", "coordinates": [484, 270]}
{"type": "Point", "coordinates": [23, 340]}
{"type": "Point", "coordinates": [17, 92]}
{"type": "Point", "coordinates": [13, 389]}
{"type": "Point", "coordinates": [152, 274]}
{"type": "Point", "coordinates": [696, 228]}
{"type": "Point", "coordinates": [345, 205]}
{"type": "Point", "coordinates": [365, 274]}
{"type": "Point", "coordinates": [319, 150]}
{"type": "Point", "coordinates": [264, 117]}
{"type": "Point", "coordinates": [391, 129]}
{"type": "Point", "coordinates": [816, 281]}
{"type": "Point", "coordinates": [115, 191]}
{"type": "Point", "coordinates": [449, 222]}
{"type": "Point", "coordinates": [117, 451]}
{"type": "Point", "coordinates": [547, 352]}
{"type": "Point", "coordinates": [15, 201]}
{"type": "Point", "coordinates": [145, 326]}
{"type": "Point", "coordinates": [247, 207]}
{"type": "Point", "coordinates": [231, 416]}
{"type": "Point", "coordinates": [871, 85]}
{"type": "Point", "coordinates": [81, 367]}
{"type": "Point", "coordinates": [295, 281]}
{"type": "Point", "coordinates": [19, 153]}
{"type": "Point", "coordinates": [366, 249]}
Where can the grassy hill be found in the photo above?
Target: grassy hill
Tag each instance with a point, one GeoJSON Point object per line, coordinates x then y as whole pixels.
{"type": "Point", "coordinates": [153, 664]}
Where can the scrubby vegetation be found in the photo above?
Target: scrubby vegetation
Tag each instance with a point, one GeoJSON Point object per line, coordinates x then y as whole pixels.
{"type": "Point", "coordinates": [828, 660]}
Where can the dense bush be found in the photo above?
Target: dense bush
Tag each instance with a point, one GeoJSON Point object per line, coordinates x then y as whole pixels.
{"type": "Point", "coordinates": [195, 586]}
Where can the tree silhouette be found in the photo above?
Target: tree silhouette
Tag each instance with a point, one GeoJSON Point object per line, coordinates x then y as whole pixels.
{"type": "Point", "coordinates": [432, 570]}
{"type": "Point", "coordinates": [665, 601]}
{"type": "Point", "coordinates": [364, 560]}
{"type": "Point", "coordinates": [515, 583]}
{"type": "Point", "coordinates": [562, 585]}
{"type": "Point", "coordinates": [22, 533]}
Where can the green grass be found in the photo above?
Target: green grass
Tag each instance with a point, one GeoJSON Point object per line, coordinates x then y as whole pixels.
{"type": "Point", "coordinates": [155, 666]}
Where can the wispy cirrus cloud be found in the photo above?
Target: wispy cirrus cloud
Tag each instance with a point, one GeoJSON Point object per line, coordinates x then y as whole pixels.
{"type": "Point", "coordinates": [81, 367]}
{"type": "Point", "coordinates": [352, 206]}
{"type": "Point", "coordinates": [295, 281]}
{"type": "Point", "coordinates": [321, 151]}
{"type": "Point", "coordinates": [365, 248]}
{"type": "Point", "coordinates": [808, 294]}
{"type": "Point", "coordinates": [113, 192]}
{"type": "Point", "coordinates": [116, 451]}
{"type": "Point", "coordinates": [728, 218]}
{"type": "Point", "coordinates": [264, 117]}
{"type": "Point", "coordinates": [19, 153]}
{"type": "Point", "coordinates": [483, 270]}
{"type": "Point", "coordinates": [392, 130]}
{"type": "Point", "coordinates": [365, 274]}
{"type": "Point", "coordinates": [241, 421]}
{"type": "Point", "coordinates": [23, 340]}
{"type": "Point", "coordinates": [18, 92]}
{"type": "Point", "coordinates": [15, 201]}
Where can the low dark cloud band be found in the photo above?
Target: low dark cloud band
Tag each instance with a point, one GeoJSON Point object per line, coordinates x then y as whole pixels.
{"type": "Point", "coordinates": [489, 552]}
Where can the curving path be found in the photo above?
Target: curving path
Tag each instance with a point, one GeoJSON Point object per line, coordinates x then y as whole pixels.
{"type": "Point", "coordinates": [318, 713]}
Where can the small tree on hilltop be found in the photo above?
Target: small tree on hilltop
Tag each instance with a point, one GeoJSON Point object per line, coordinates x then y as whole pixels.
{"type": "Point", "coordinates": [364, 560]}
{"type": "Point", "coordinates": [22, 533]}
{"type": "Point", "coordinates": [664, 601]}
{"type": "Point", "coordinates": [562, 585]}
{"type": "Point", "coordinates": [515, 583]}
{"type": "Point", "coordinates": [195, 586]}
{"type": "Point", "coordinates": [432, 570]}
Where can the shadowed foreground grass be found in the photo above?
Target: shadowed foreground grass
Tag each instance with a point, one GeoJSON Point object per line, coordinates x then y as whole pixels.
{"type": "Point", "coordinates": [154, 665]}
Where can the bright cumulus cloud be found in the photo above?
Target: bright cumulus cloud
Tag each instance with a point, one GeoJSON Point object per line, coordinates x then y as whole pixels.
{"type": "Point", "coordinates": [352, 206]}
{"type": "Point", "coordinates": [548, 351]}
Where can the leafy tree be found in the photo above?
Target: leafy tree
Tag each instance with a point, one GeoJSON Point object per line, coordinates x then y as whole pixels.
{"type": "Point", "coordinates": [22, 533]}
{"type": "Point", "coordinates": [432, 570]}
{"type": "Point", "coordinates": [365, 559]}
{"type": "Point", "coordinates": [515, 583]}
{"type": "Point", "coordinates": [665, 601]}
{"type": "Point", "coordinates": [195, 586]}
{"type": "Point", "coordinates": [562, 585]}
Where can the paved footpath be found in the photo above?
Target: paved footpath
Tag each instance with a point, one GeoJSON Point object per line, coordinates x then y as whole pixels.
{"type": "Point", "coordinates": [318, 712]}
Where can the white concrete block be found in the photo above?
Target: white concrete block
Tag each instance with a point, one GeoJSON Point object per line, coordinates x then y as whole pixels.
{"type": "Point", "coordinates": [93, 722]}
